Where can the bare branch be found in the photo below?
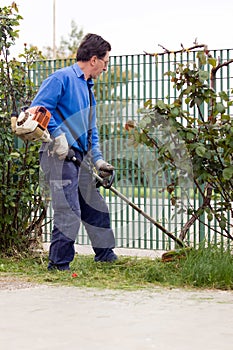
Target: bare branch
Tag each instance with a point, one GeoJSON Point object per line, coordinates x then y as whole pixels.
{"type": "Point", "coordinates": [166, 51]}
{"type": "Point", "coordinates": [215, 69]}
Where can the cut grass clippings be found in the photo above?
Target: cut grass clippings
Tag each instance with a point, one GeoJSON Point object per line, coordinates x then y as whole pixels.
{"type": "Point", "coordinates": [202, 268]}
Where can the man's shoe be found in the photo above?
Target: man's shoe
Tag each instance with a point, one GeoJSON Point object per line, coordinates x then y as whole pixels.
{"type": "Point", "coordinates": [61, 267]}
{"type": "Point", "coordinates": [104, 255]}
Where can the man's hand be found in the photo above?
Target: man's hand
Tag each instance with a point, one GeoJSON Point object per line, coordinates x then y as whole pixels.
{"type": "Point", "coordinates": [104, 169]}
{"type": "Point", "coordinates": [61, 147]}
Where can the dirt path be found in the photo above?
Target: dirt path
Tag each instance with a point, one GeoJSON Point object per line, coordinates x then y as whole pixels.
{"type": "Point", "coordinates": [12, 283]}
{"type": "Point", "coordinates": [69, 318]}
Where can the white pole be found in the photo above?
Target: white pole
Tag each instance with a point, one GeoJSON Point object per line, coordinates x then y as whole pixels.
{"type": "Point", "coordinates": [54, 29]}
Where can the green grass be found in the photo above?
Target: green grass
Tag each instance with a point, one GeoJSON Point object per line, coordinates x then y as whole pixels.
{"type": "Point", "coordinates": [203, 268]}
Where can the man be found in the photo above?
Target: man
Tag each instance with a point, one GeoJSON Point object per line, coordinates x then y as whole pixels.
{"type": "Point", "coordinates": [67, 94]}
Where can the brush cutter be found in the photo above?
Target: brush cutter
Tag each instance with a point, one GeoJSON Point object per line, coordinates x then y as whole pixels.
{"type": "Point", "coordinates": [108, 184]}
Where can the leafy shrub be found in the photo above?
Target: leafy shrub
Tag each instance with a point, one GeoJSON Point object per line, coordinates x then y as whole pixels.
{"type": "Point", "coordinates": [21, 206]}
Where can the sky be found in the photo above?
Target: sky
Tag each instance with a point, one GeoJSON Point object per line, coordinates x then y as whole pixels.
{"type": "Point", "coordinates": [131, 27]}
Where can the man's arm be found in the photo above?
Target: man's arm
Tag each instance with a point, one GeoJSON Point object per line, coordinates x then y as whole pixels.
{"type": "Point", "coordinates": [47, 96]}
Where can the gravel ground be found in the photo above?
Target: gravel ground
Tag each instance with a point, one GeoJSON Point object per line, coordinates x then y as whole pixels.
{"type": "Point", "coordinates": [39, 317]}
{"type": "Point", "coordinates": [11, 283]}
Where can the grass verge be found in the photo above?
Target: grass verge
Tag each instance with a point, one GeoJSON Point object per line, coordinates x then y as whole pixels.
{"type": "Point", "coordinates": [203, 268]}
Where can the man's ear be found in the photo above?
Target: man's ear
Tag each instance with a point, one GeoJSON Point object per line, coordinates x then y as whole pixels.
{"type": "Point", "coordinates": [93, 60]}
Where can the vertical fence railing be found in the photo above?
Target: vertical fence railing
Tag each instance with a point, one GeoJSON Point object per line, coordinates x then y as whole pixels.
{"type": "Point", "coordinates": [121, 93]}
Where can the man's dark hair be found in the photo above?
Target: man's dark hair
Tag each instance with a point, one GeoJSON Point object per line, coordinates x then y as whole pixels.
{"type": "Point", "coordinates": [92, 45]}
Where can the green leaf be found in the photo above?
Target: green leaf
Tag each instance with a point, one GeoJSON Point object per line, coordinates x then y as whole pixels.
{"type": "Point", "coordinates": [148, 103]}
{"type": "Point", "coordinates": [224, 95]}
{"type": "Point", "coordinates": [222, 224]}
{"type": "Point", "coordinates": [144, 122]}
{"type": "Point", "coordinates": [15, 154]}
{"type": "Point", "coordinates": [161, 105]}
{"type": "Point", "coordinates": [228, 173]}
{"type": "Point", "coordinates": [189, 136]}
{"type": "Point", "coordinates": [220, 107]}
{"type": "Point", "coordinates": [175, 112]}
{"type": "Point", "coordinates": [203, 75]}
{"type": "Point", "coordinates": [202, 57]}
{"type": "Point", "coordinates": [200, 151]}
{"type": "Point", "coordinates": [212, 61]}
{"type": "Point", "coordinates": [225, 117]}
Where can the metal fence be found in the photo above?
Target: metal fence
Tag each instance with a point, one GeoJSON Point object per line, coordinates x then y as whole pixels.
{"type": "Point", "coordinates": [120, 93]}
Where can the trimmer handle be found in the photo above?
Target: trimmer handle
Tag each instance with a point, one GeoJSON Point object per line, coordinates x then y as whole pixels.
{"type": "Point", "coordinates": [105, 182]}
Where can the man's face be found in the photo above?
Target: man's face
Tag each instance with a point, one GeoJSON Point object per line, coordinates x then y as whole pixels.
{"type": "Point", "coordinates": [99, 65]}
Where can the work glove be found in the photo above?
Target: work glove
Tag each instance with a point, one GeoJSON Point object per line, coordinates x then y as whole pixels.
{"type": "Point", "coordinates": [104, 169]}
{"type": "Point", "coordinates": [61, 147]}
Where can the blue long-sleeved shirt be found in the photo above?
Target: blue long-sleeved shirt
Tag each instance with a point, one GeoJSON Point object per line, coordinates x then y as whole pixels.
{"type": "Point", "coordinates": [68, 91]}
